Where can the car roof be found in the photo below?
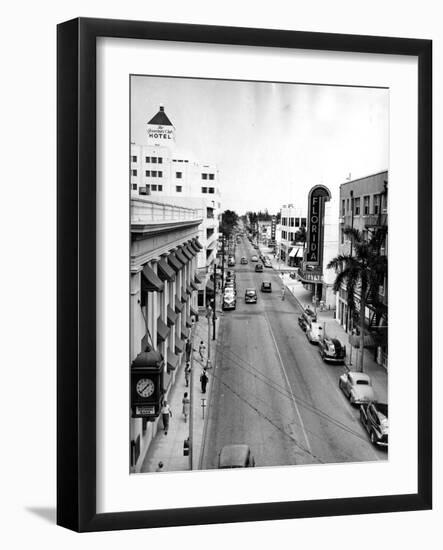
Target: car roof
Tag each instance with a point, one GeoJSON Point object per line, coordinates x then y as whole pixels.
{"type": "Point", "coordinates": [250, 290]}
{"type": "Point", "coordinates": [234, 455]}
{"type": "Point", "coordinates": [359, 376]}
{"type": "Point", "coordinates": [266, 282]}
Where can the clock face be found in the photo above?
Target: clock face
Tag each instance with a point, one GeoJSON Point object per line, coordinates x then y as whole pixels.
{"type": "Point", "coordinates": [145, 387]}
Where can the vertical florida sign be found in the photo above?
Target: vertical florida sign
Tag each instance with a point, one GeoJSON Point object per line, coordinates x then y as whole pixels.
{"type": "Point", "coordinates": [273, 224]}
{"type": "Point", "coordinates": [317, 197]}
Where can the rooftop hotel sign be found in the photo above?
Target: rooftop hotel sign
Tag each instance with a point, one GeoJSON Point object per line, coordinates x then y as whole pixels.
{"type": "Point", "coordinates": [317, 197]}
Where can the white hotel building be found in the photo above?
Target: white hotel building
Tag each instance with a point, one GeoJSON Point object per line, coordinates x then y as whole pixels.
{"type": "Point", "coordinates": [160, 172]}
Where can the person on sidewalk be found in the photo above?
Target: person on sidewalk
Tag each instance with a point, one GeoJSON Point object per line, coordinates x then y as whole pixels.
{"type": "Point", "coordinates": [159, 467]}
{"type": "Point", "coordinates": [188, 349]}
{"type": "Point", "coordinates": [201, 350]}
{"type": "Point", "coordinates": [282, 292]}
{"type": "Point", "coordinates": [186, 404]}
{"type": "Point", "coordinates": [204, 381]}
{"type": "Point", "coordinates": [166, 414]}
{"type": "Point", "coordinates": [187, 373]}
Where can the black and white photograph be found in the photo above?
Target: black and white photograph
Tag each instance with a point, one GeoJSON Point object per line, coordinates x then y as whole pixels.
{"type": "Point", "coordinates": [258, 274]}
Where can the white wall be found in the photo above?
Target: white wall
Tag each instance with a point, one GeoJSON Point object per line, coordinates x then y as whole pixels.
{"type": "Point", "coordinates": [28, 463]}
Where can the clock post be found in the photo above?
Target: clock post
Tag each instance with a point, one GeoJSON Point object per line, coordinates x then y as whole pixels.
{"type": "Point", "coordinates": [147, 385]}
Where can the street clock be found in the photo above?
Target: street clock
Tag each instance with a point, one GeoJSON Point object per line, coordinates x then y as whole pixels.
{"type": "Point", "coordinates": [147, 385]}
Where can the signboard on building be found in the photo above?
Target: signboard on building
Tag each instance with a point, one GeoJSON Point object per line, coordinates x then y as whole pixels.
{"type": "Point", "coordinates": [273, 225]}
{"type": "Point", "coordinates": [160, 132]}
{"type": "Point", "coordinates": [317, 197]}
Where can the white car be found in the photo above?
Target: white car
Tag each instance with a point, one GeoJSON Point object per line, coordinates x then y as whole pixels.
{"type": "Point", "coordinates": [254, 258]}
{"type": "Point", "coordinates": [357, 387]}
{"type": "Point", "coordinates": [315, 333]}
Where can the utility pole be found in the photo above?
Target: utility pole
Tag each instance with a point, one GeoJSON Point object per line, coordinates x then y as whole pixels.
{"type": "Point", "coordinates": [214, 302]}
{"type": "Point", "coordinates": [223, 261]}
{"type": "Point", "coordinates": [191, 404]}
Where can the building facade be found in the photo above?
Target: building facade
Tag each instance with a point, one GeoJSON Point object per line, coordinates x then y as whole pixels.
{"type": "Point", "coordinates": [160, 170]}
{"type": "Point", "coordinates": [364, 206]}
{"type": "Point", "coordinates": [292, 219]}
{"type": "Point", "coordinates": [164, 283]}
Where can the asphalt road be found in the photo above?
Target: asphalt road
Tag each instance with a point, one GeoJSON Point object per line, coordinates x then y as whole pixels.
{"type": "Point", "coordinates": [271, 389]}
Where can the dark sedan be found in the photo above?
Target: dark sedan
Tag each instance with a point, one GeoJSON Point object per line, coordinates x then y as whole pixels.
{"type": "Point", "coordinates": [374, 417]}
{"type": "Point", "coordinates": [332, 350]}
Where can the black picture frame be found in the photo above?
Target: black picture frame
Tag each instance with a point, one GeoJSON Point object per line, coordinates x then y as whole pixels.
{"type": "Point", "coordinates": [76, 279]}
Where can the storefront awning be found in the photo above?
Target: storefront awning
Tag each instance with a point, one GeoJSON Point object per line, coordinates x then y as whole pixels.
{"type": "Point", "coordinates": [197, 244]}
{"type": "Point", "coordinates": [197, 280]}
{"type": "Point", "coordinates": [179, 345]}
{"type": "Point", "coordinates": [172, 316]}
{"type": "Point", "coordinates": [178, 306]}
{"type": "Point", "coordinates": [181, 257]}
{"type": "Point", "coordinates": [185, 333]}
{"type": "Point", "coordinates": [209, 287]}
{"type": "Point", "coordinates": [194, 312]}
{"type": "Point", "coordinates": [150, 280]}
{"type": "Point", "coordinates": [184, 297]}
{"type": "Point", "coordinates": [162, 330]}
{"type": "Point", "coordinates": [188, 321]}
{"type": "Point", "coordinates": [191, 250]}
{"type": "Point", "coordinates": [189, 290]}
{"type": "Point", "coordinates": [294, 252]}
{"type": "Point", "coordinates": [195, 247]}
{"type": "Point", "coordinates": [186, 252]}
{"type": "Point", "coordinates": [172, 361]}
{"type": "Point", "coordinates": [165, 272]}
{"type": "Point", "coordinates": [174, 262]}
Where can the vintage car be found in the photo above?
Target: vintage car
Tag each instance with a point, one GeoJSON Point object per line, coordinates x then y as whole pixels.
{"type": "Point", "coordinates": [267, 262]}
{"type": "Point", "coordinates": [236, 456]}
{"type": "Point", "coordinates": [259, 268]}
{"type": "Point", "coordinates": [332, 350]}
{"type": "Point", "coordinates": [231, 261]}
{"type": "Point", "coordinates": [266, 286]}
{"type": "Point", "coordinates": [250, 296]}
{"type": "Point", "coordinates": [374, 417]}
{"type": "Point", "coordinates": [229, 301]}
{"type": "Point", "coordinates": [244, 260]}
{"type": "Point", "coordinates": [254, 258]}
{"type": "Point", "coordinates": [357, 387]}
{"type": "Point", "coordinates": [314, 333]}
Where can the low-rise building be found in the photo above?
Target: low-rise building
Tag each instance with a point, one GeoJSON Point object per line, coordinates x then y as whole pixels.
{"type": "Point", "coordinates": [290, 249]}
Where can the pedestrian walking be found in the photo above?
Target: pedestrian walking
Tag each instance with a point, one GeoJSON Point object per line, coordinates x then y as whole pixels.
{"type": "Point", "coordinates": [166, 414]}
{"type": "Point", "coordinates": [186, 404]}
{"type": "Point", "coordinates": [188, 349]}
{"type": "Point", "coordinates": [282, 292]}
{"type": "Point", "coordinates": [159, 467]}
{"type": "Point", "coordinates": [201, 350]}
{"type": "Point", "coordinates": [204, 381]}
{"type": "Point", "coordinates": [187, 372]}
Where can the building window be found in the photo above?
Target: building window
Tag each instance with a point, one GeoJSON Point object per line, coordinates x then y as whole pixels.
{"type": "Point", "coordinates": [376, 204]}
{"type": "Point", "coordinates": [134, 172]}
{"type": "Point", "coordinates": [147, 159]}
{"type": "Point", "coordinates": [357, 206]}
{"type": "Point", "coordinates": [342, 236]}
{"type": "Point", "coordinates": [134, 186]}
{"type": "Point", "coordinates": [134, 158]}
{"type": "Point", "coordinates": [178, 175]}
{"type": "Point", "coordinates": [297, 222]}
{"type": "Point", "coordinates": [347, 205]}
{"type": "Point", "coordinates": [204, 176]}
{"type": "Point", "coordinates": [160, 174]}
{"type": "Point", "coordinates": [204, 189]}
{"type": "Point", "coordinates": [154, 160]}
{"type": "Point", "coordinates": [366, 205]}
{"type": "Point", "coordinates": [154, 187]}
{"type": "Point", "coordinates": [343, 207]}
{"type": "Point", "coordinates": [211, 176]}
{"type": "Point", "coordinates": [303, 222]}
{"type": "Point", "coordinates": [154, 173]}
{"type": "Point", "coordinates": [148, 173]}
{"type": "Point", "coordinates": [178, 188]}
{"type": "Point", "coordinates": [291, 222]}
{"type": "Point", "coordinates": [160, 160]}
{"type": "Point", "coordinates": [160, 187]}
{"type": "Point", "coordinates": [211, 190]}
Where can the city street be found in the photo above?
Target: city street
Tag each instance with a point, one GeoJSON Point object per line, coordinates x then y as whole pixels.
{"type": "Point", "coordinates": [271, 390]}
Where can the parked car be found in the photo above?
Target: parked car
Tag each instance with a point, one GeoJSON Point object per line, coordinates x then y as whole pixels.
{"type": "Point", "coordinates": [266, 286]}
{"type": "Point", "coordinates": [267, 262]}
{"type": "Point", "coordinates": [229, 301]}
{"type": "Point", "coordinates": [254, 258]}
{"type": "Point", "coordinates": [236, 456]}
{"type": "Point", "coordinates": [374, 417]}
{"type": "Point", "coordinates": [250, 296]}
{"type": "Point", "coordinates": [332, 350]}
{"type": "Point", "coordinates": [231, 261]}
{"type": "Point", "coordinates": [303, 323]}
{"type": "Point", "coordinates": [293, 275]}
{"type": "Point", "coordinates": [357, 387]}
{"type": "Point", "coordinates": [314, 333]}
{"type": "Point", "coordinates": [309, 315]}
{"type": "Point", "coordinates": [244, 260]}
{"type": "Point", "coordinates": [259, 268]}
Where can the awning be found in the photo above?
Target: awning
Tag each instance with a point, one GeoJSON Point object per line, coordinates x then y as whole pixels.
{"type": "Point", "coordinates": [194, 312]}
{"type": "Point", "coordinates": [181, 257]}
{"type": "Point", "coordinates": [179, 345]}
{"type": "Point", "coordinates": [209, 287]}
{"type": "Point", "coordinates": [165, 272]}
{"type": "Point", "coordinates": [195, 247]}
{"type": "Point", "coordinates": [294, 252]}
{"type": "Point", "coordinates": [148, 359]}
{"type": "Point", "coordinates": [184, 297]}
{"type": "Point", "coordinates": [162, 330]}
{"type": "Point", "coordinates": [194, 286]}
{"type": "Point", "coordinates": [174, 263]}
{"type": "Point", "coordinates": [189, 290]}
{"type": "Point", "coordinates": [191, 250]}
{"type": "Point", "coordinates": [172, 316]}
{"type": "Point", "coordinates": [197, 280]}
{"type": "Point", "coordinates": [150, 281]}
{"type": "Point", "coordinates": [172, 361]}
{"type": "Point", "coordinates": [178, 306]}
{"type": "Point", "coordinates": [185, 333]}
{"type": "Point", "coordinates": [188, 321]}
{"type": "Point", "coordinates": [197, 244]}
{"type": "Point", "coordinates": [186, 252]}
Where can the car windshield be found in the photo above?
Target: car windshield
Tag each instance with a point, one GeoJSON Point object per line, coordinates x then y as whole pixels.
{"type": "Point", "coordinates": [250, 293]}
{"type": "Point", "coordinates": [267, 285]}
{"type": "Point", "coordinates": [362, 382]}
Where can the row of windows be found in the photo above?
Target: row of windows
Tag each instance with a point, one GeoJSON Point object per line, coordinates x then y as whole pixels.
{"type": "Point", "coordinates": [153, 187]}
{"type": "Point", "coordinates": [208, 176]}
{"type": "Point", "coordinates": [150, 173]}
{"type": "Point", "coordinates": [208, 190]}
{"type": "Point", "coordinates": [153, 160]}
{"type": "Point", "coordinates": [364, 207]}
{"type": "Point", "coordinates": [293, 222]}
{"type": "Point", "coordinates": [179, 160]}
{"type": "Point", "coordinates": [288, 235]}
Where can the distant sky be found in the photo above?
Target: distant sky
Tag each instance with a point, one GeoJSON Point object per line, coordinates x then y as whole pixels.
{"type": "Point", "coordinates": [271, 142]}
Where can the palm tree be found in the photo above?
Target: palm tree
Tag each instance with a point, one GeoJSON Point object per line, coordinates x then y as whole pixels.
{"type": "Point", "coordinates": [363, 271]}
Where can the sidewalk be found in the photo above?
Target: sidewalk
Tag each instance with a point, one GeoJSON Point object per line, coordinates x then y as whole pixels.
{"type": "Point", "coordinates": [333, 329]}
{"type": "Point", "coordinates": [169, 448]}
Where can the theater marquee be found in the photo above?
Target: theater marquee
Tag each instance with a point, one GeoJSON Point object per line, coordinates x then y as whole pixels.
{"type": "Point", "coordinates": [317, 197]}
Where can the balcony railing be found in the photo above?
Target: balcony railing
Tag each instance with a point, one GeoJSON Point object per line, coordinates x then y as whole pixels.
{"type": "Point", "coordinates": [145, 211]}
